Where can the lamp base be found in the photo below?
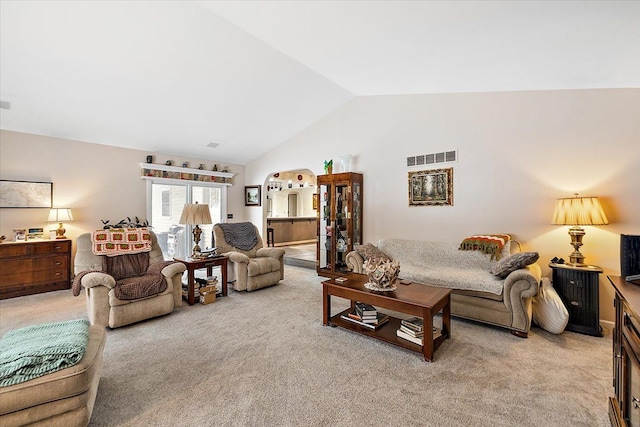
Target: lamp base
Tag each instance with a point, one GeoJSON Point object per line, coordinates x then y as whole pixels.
{"type": "Point", "coordinates": [576, 233]}
{"type": "Point", "coordinates": [60, 232]}
{"type": "Point", "coordinates": [197, 252]}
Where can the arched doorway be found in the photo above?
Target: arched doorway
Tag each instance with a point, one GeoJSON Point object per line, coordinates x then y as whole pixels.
{"type": "Point", "coordinates": [291, 212]}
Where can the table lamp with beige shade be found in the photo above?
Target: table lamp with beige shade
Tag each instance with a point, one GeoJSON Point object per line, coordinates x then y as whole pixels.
{"type": "Point", "coordinates": [577, 211]}
{"type": "Point", "coordinates": [60, 215]}
{"type": "Point", "coordinates": [195, 214]}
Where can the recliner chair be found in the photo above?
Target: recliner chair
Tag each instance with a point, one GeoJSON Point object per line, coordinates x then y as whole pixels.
{"type": "Point", "coordinates": [253, 268]}
{"type": "Point", "coordinates": [104, 308]}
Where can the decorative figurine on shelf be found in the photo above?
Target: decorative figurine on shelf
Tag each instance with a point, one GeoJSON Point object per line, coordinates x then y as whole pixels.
{"type": "Point", "coordinates": [328, 167]}
{"type": "Point", "coordinates": [168, 162]}
{"type": "Point", "coordinates": [201, 167]}
{"type": "Point", "coordinates": [382, 274]}
{"type": "Point", "coordinates": [215, 168]}
{"type": "Point", "coordinates": [149, 159]}
{"type": "Point", "coordinates": [185, 164]}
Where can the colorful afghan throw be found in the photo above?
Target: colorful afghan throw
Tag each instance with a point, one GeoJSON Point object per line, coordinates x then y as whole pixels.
{"type": "Point", "coordinates": [486, 243]}
{"type": "Point", "coordinates": [120, 241]}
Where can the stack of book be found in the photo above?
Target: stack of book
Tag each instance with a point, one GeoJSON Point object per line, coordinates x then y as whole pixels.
{"type": "Point", "coordinates": [366, 315]}
{"type": "Point", "coordinates": [412, 330]}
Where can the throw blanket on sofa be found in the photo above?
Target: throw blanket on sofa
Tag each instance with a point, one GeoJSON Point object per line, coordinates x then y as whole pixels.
{"type": "Point", "coordinates": [34, 351]}
{"type": "Point", "coordinates": [119, 241]}
{"type": "Point", "coordinates": [488, 243]}
{"type": "Point", "coordinates": [241, 235]}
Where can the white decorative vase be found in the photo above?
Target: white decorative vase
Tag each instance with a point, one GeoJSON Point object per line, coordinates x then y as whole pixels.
{"type": "Point", "coordinates": [345, 162]}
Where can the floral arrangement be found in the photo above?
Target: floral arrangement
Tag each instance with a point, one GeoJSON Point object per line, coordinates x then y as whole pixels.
{"type": "Point", "coordinates": [382, 274]}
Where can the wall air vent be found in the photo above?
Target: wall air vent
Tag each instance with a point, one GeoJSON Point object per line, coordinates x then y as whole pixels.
{"type": "Point", "coordinates": [433, 158]}
{"type": "Point", "coordinates": [212, 144]}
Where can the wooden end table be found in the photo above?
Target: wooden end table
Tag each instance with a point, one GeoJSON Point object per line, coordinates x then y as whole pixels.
{"type": "Point", "coordinates": [414, 299]}
{"type": "Point", "coordinates": [208, 263]}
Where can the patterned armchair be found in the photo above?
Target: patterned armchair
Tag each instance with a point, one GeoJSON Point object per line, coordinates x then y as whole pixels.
{"type": "Point", "coordinates": [252, 265]}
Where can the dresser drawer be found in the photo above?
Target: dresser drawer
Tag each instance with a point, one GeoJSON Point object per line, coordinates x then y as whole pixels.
{"type": "Point", "coordinates": [56, 246]}
{"type": "Point", "coordinates": [35, 277]}
{"type": "Point", "coordinates": [17, 265]}
{"type": "Point", "coordinates": [13, 250]}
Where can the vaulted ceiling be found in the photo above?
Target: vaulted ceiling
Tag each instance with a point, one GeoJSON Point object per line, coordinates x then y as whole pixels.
{"type": "Point", "coordinates": [172, 77]}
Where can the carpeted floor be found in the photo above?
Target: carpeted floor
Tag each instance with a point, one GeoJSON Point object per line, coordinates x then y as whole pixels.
{"type": "Point", "coordinates": [264, 359]}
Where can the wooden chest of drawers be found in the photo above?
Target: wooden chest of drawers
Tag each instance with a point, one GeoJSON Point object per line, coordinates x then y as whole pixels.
{"type": "Point", "coordinates": [33, 267]}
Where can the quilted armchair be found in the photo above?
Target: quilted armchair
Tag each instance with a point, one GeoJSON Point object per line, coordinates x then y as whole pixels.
{"type": "Point", "coordinates": [252, 265]}
{"type": "Point", "coordinates": [103, 305]}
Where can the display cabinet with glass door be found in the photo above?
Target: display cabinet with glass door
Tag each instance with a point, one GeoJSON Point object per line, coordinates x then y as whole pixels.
{"type": "Point", "coordinates": [339, 221]}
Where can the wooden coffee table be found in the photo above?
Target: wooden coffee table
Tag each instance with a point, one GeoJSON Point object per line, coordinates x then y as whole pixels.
{"type": "Point", "coordinates": [414, 299]}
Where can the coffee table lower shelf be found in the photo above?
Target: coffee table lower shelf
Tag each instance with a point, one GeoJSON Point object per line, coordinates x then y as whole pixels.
{"type": "Point", "coordinates": [386, 332]}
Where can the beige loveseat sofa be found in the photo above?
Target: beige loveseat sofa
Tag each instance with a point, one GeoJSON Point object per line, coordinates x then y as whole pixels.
{"type": "Point", "coordinates": [476, 293]}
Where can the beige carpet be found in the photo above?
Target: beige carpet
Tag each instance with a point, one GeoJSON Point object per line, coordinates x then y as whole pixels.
{"type": "Point", "coordinates": [264, 359]}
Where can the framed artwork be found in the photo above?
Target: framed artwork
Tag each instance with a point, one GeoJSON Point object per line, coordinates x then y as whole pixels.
{"type": "Point", "coordinates": [316, 196]}
{"type": "Point", "coordinates": [35, 234]}
{"type": "Point", "coordinates": [431, 187]}
{"type": "Point", "coordinates": [252, 195]}
{"type": "Point", "coordinates": [25, 194]}
{"type": "Point", "coordinates": [19, 234]}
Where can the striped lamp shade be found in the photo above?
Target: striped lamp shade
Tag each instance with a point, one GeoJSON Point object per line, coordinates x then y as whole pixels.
{"type": "Point", "coordinates": [579, 211]}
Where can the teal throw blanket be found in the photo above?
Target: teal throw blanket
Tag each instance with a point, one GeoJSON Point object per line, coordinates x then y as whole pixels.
{"type": "Point", "coordinates": [38, 350]}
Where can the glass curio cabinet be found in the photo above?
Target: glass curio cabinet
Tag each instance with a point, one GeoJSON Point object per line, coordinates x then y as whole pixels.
{"type": "Point", "coordinates": [339, 221]}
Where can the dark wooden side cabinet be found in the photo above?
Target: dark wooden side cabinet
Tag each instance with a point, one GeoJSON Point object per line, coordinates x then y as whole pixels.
{"type": "Point", "coordinates": [578, 287]}
{"type": "Point", "coordinates": [624, 407]}
{"type": "Point", "coordinates": [28, 268]}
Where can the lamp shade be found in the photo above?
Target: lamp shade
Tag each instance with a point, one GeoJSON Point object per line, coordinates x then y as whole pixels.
{"type": "Point", "coordinates": [60, 215]}
{"type": "Point", "coordinates": [579, 211]}
{"type": "Point", "coordinates": [195, 214]}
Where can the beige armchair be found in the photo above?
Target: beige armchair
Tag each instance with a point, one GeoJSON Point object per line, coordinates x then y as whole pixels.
{"type": "Point", "coordinates": [252, 267]}
{"type": "Point", "coordinates": [105, 308]}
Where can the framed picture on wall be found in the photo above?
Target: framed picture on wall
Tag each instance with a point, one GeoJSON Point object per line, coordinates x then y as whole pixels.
{"type": "Point", "coordinates": [25, 194]}
{"type": "Point", "coordinates": [252, 195]}
{"type": "Point", "coordinates": [431, 187]}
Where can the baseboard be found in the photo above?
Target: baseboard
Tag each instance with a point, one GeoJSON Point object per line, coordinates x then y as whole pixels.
{"type": "Point", "coordinates": [296, 242]}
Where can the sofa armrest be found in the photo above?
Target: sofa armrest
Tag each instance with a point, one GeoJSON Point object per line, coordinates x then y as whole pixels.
{"type": "Point", "coordinates": [93, 279]}
{"type": "Point", "coordinates": [172, 269]}
{"type": "Point", "coordinates": [519, 287]}
{"type": "Point", "coordinates": [270, 252]}
{"type": "Point", "coordinates": [237, 257]}
{"type": "Point", "coordinates": [524, 281]}
{"type": "Point", "coordinates": [354, 262]}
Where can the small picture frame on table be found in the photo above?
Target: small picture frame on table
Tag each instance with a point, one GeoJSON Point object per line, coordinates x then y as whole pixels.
{"type": "Point", "coordinates": [35, 234]}
{"type": "Point", "coordinates": [19, 234]}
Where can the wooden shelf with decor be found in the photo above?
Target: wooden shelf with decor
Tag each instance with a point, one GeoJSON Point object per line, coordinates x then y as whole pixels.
{"type": "Point", "coordinates": [153, 171]}
{"type": "Point", "coordinates": [339, 220]}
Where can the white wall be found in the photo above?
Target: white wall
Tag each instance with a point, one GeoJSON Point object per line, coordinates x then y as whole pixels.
{"type": "Point", "coordinates": [518, 153]}
{"type": "Point", "coordinates": [96, 181]}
